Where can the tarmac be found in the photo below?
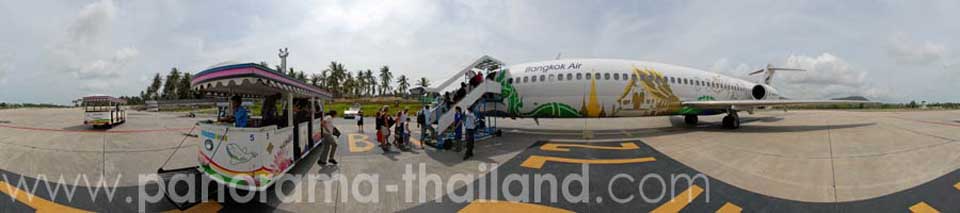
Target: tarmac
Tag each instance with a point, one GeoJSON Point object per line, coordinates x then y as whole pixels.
{"type": "Point", "coordinates": [777, 161]}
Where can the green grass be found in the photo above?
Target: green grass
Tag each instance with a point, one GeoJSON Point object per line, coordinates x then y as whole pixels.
{"type": "Point", "coordinates": [371, 109]}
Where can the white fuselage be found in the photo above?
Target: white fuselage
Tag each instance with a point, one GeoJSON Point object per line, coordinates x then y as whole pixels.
{"type": "Point", "coordinates": [611, 87]}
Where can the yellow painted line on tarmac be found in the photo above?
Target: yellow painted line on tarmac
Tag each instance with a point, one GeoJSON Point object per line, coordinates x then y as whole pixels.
{"type": "Point", "coordinates": [680, 201]}
{"type": "Point", "coordinates": [507, 206]}
{"type": "Point", "coordinates": [922, 207]}
{"type": "Point", "coordinates": [354, 141]}
{"type": "Point", "coordinates": [729, 208]}
{"type": "Point", "coordinates": [537, 161]}
{"type": "Point", "coordinates": [559, 147]}
{"type": "Point", "coordinates": [202, 207]}
{"type": "Point", "coordinates": [37, 203]}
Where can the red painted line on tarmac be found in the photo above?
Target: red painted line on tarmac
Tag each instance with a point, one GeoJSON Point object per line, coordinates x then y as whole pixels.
{"type": "Point", "coordinates": [931, 122]}
{"type": "Point", "coordinates": [94, 131]}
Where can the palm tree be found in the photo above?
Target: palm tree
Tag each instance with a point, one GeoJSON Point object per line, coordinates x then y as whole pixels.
{"type": "Point", "coordinates": [348, 84]}
{"type": "Point", "coordinates": [317, 79]}
{"type": "Point", "coordinates": [372, 83]}
{"type": "Point", "coordinates": [335, 76]}
{"type": "Point", "coordinates": [402, 85]}
{"type": "Point", "coordinates": [385, 78]}
{"type": "Point", "coordinates": [361, 83]}
{"type": "Point", "coordinates": [424, 82]}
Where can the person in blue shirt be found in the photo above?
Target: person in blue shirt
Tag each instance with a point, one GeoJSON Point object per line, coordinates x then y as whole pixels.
{"type": "Point", "coordinates": [458, 131]}
{"type": "Point", "coordinates": [240, 116]}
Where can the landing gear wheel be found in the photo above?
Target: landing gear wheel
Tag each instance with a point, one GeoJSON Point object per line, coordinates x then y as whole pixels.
{"type": "Point", "coordinates": [731, 121]}
{"type": "Point", "coordinates": [690, 120]}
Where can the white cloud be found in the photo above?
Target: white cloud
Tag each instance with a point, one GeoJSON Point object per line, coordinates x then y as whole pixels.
{"type": "Point", "coordinates": [827, 76]}
{"type": "Point", "coordinates": [105, 68]}
{"type": "Point", "coordinates": [725, 67]}
{"type": "Point", "coordinates": [906, 51]}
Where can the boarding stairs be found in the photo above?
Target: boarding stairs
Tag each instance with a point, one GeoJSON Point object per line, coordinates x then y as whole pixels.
{"type": "Point", "coordinates": [440, 118]}
{"type": "Point", "coordinates": [472, 97]}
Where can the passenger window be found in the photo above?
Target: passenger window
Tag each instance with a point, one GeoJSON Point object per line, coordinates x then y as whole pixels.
{"type": "Point", "coordinates": [510, 81]}
{"type": "Point", "coordinates": [525, 79]}
{"type": "Point", "coordinates": [625, 76]}
{"type": "Point", "coordinates": [616, 77]}
{"type": "Point", "coordinates": [551, 78]}
{"type": "Point", "coordinates": [634, 76]}
{"type": "Point", "coordinates": [560, 77]}
{"type": "Point", "coordinates": [542, 78]}
{"type": "Point", "coordinates": [589, 76]}
{"type": "Point", "coordinates": [606, 76]}
{"type": "Point", "coordinates": [596, 76]}
{"type": "Point", "coordinates": [579, 76]}
{"type": "Point", "coordinates": [569, 76]}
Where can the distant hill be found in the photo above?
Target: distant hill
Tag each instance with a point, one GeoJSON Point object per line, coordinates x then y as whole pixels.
{"type": "Point", "coordinates": [852, 98]}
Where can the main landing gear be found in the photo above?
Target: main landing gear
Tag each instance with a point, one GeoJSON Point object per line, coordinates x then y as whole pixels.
{"type": "Point", "coordinates": [690, 120]}
{"type": "Point", "coordinates": [732, 120]}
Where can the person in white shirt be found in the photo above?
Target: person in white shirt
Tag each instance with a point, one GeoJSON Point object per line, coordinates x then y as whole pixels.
{"type": "Point", "coordinates": [470, 125]}
{"type": "Point", "coordinates": [329, 142]}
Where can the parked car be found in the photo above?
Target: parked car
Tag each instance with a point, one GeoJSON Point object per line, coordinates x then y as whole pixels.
{"type": "Point", "coordinates": [352, 111]}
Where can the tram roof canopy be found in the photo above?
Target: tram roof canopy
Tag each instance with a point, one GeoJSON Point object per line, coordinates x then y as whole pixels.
{"type": "Point", "coordinates": [252, 79]}
{"type": "Point", "coordinates": [103, 99]}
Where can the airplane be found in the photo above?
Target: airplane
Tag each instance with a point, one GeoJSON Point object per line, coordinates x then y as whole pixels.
{"type": "Point", "coordinates": [576, 88]}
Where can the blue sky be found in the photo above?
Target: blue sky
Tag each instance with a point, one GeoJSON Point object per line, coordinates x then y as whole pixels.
{"type": "Point", "coordinates": [56, 51]}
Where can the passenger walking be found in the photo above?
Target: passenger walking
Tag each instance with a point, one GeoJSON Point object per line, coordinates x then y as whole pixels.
{"type": "Point", "coordinates": [470, 124]}
{"type": "Point", "coordinates": [329, 141]}
{"type": "Point", "coordinates": [458, 130]}
{"type": "Point", "coordinates": [422, 122]}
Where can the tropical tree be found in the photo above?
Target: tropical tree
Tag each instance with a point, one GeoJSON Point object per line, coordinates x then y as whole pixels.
{"type": "Point", "coordinates": [154, 87]}
{"type": "Point", "coordinates": [424, 82]}
{"type": "Point", "coordinates": [385, 78]}
{"type": "Point", "coordinates": [335, 77]}
{"type": "Point", "coordinates": [372, 83]}
{"type": "Point", "coordinates": [170, 86]}
{"type": "Point", "coordinates": [402, 85]}
{"type": "Point", "coordinates": [361, 83]}
{"type": "Point", "coordinates": [183, 88]}
{"type": "Point", "coordinates": [302, 76]}
{"type": "Point", "coordinates": [317, 79]}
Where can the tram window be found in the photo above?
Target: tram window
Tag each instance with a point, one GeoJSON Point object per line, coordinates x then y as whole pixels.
{"type": "Point", "coordinates": [616, 77]}
{"type": "Point", "coordinates": [606, 76]}
{"type": "Point", "coordinates": [579, 76]}
{"type": "Point", "coordinates": [542, 78]}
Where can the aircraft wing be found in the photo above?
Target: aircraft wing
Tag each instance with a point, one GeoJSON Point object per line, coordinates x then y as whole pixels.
{"type": "Point", "coordinates": [758, 103]}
